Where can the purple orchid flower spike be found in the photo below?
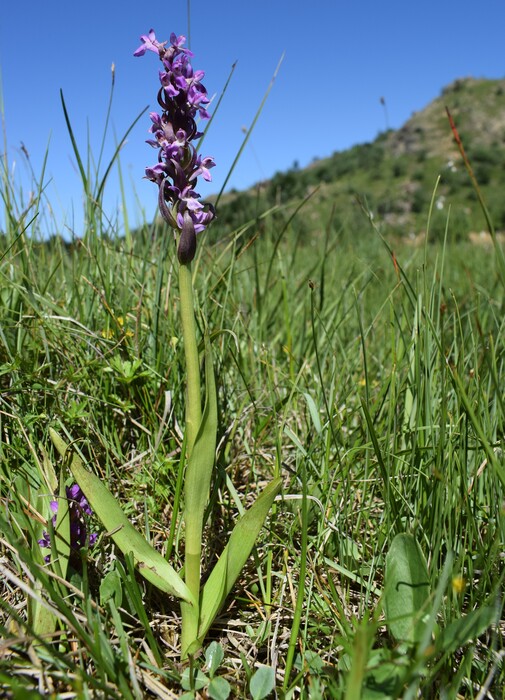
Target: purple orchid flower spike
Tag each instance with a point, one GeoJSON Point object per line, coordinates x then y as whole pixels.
{"type": "Point", "coordinates": [181, 96]}
{"type": "Point", "coordinates": [79, 508]}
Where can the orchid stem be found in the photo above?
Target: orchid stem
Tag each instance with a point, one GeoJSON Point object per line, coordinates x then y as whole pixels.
{"type": "Point", "coordinates": [190, 615]}
{"type": "Point", "coordinates": [193, 398]}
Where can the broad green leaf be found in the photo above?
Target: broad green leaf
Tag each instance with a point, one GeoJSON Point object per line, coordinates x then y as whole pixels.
{"type": "Point", "coordinates": [148, 560]}
{"type": "Point", "coordinates": [219, 689]}
{"type": "Point", "coordinates": [214, 656]}
{"type": "Point", "coordinates": [43, 620]}
{"type": "Point", "coordinates": [262, 682]}
{"type": "Point", "coordinates": [193, 679]}
{"type": "Point", "coordinates": [406, 589]}
{"type": "Point", "coordinates": [310, 660]}
{"type": "Point", "coordinates": [234, 556]}
{"type": "Point", "coordinates": [201, 461]}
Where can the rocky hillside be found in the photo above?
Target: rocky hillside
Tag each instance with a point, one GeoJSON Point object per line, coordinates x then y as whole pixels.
{"type": "Point", "coordinates": [397, 176]}
{"type": "Point", "coordinates": [478, 108]}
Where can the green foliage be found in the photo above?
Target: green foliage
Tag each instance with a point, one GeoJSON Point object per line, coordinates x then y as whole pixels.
{"type": "Point", "coordinates": [194, 679]}
{"type": "Point", "coordinates": [262, 682]}
{"type": "Point", "coordinates": [148, 560]}
{"type": "Point", "coordinates": [232, 560]}
{"type": "Point", "coordinates": [366, 373]}
{"type": "Point", "coordinates": [406, 589]}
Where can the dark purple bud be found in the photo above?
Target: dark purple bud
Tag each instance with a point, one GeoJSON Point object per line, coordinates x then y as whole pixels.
{"type": "Point", "coordinates": [187, 241]}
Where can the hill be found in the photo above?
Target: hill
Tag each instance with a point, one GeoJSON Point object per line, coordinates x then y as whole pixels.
{"type": "Point", "coordinates": [394, 177]}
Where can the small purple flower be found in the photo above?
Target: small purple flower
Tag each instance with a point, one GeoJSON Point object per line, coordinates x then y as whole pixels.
{"type": "Point", "coordinates": [181, 97]}
{"type": "Point", "coordinates": [79, 508]}
{"type": "Point", "coordinates": [204, 165]}
{"type": "Point", "coordinates": [178, 42]}
{"type": "Point", "coordinates": [149, 43]}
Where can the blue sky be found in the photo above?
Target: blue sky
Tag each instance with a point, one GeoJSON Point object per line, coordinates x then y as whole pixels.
{"type": "Point", "coordinates": [340, 59]}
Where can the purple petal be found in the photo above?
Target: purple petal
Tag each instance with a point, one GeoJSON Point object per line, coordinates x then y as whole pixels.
{"type": "Point", "coordinates": [149, 43]}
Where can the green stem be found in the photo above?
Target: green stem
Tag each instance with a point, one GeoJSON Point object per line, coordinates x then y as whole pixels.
{"type": "Point", "coordinates": [190, 615]}
{"type": "Point", "coordinates": [193, 398]}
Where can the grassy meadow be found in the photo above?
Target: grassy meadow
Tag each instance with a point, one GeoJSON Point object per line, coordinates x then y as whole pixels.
{"type": "Point", "coordinates": [366, 372]}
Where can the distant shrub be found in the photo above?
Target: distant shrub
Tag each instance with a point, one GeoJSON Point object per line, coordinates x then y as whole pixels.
{"type": "Point", "coordinates": [457, 181]}
{"type": "Point", "coordinates": [370, 155]}
{"type": "Point", "coordinates": [484, 155]}
{"type": "Point", "coordinates": [241, 209]}
{"type": "Point", "coordinates": [399, 168]}
{"type": "Point", "coordinates": [420, 200]}
{"type": "Point", "coordinates": [286, 186]}
{"type": "Point", "coordinates": [383, 136]}
{"type": "Point", "coordinates": [482, 174]}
